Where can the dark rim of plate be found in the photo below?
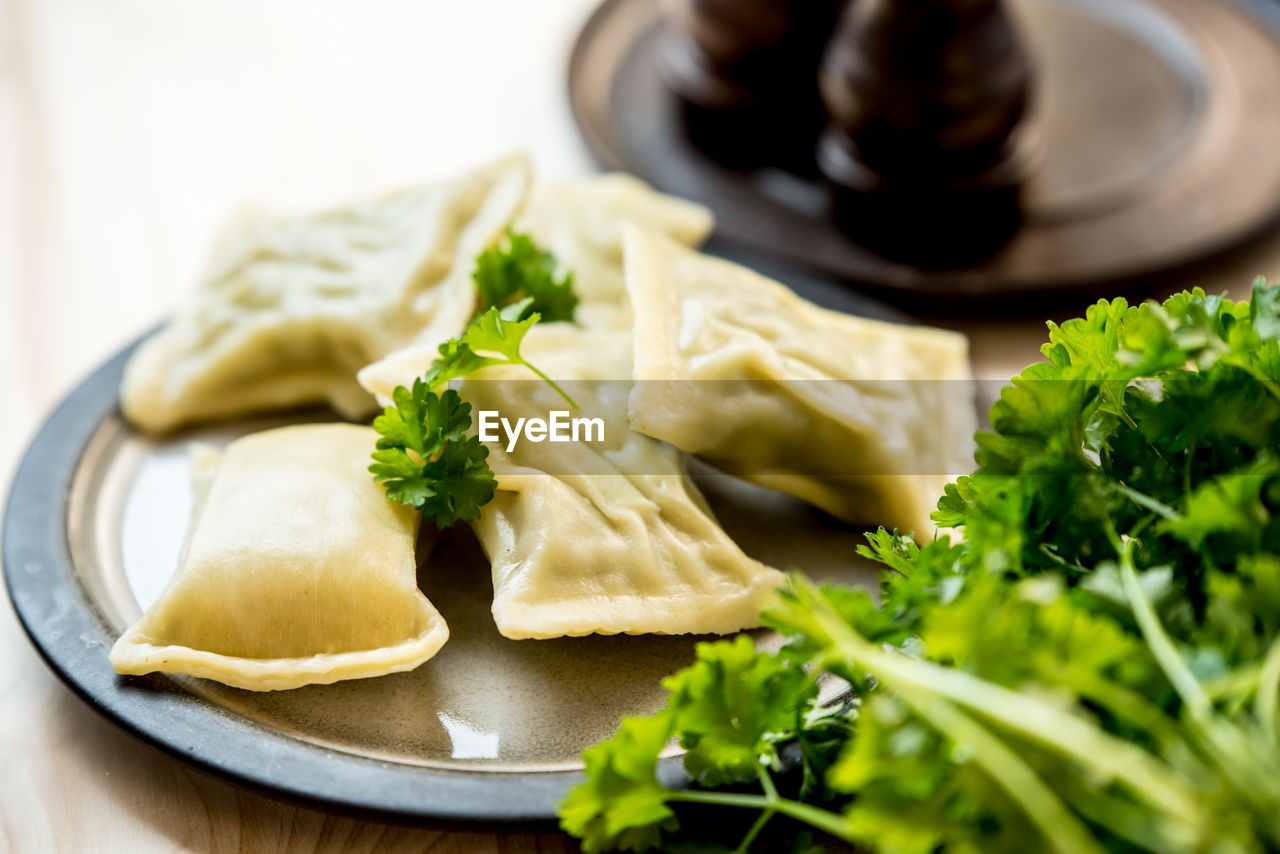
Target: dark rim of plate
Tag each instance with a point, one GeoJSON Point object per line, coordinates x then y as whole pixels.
{"type": "Point", "coordinates": [73, 638]}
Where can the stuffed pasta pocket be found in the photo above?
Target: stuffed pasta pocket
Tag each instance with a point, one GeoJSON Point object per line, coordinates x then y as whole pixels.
{"type": "Point", "coordinates": [863, 419]}
{"type": "Point", "coordinates": [297, 570]}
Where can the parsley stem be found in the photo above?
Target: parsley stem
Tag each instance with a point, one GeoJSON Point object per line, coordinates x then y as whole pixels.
{"type": "Point", "coordinates": [771, 794]}
{"type": "Point", "coordinates": [551, 383]}
{"type": "Point", "coordinates": [1264, 708]}
{"type": "Point", "coordinates": [1147, 502]}
{"type": "Point", "coordinates": [766, 783]}
{"type": "Point", "coordinates": [1266, 381]}
{"type": "Point", "coordinates": [1058, 825]}
{"type": "Point", "coordinates": [1037, 720]}
{"type": "Point", "coordinates": [824, 820]}
{"type": "Point", "coordinates": [1242, 682]}
{"type": "Point", "coordinates": [724, 799]}
{"type": "Point", "coordinates": [745, 845]}
{"type": "Point", "coordinates": [1123, 702]}
{"type": "Point", "coordinates": [1251, 773]}
{"type": "Point", "coordinates": [1160, 644]}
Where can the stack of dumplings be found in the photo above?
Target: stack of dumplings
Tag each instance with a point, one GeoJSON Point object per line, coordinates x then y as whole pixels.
{"type": "Point", "coordinates": [297, 568]}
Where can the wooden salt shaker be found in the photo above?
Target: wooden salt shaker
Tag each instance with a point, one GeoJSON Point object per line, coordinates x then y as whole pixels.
{"type": "Point", "coordinates": [746, 75]}
{"type": "Point", "coordinates": [927, 142]}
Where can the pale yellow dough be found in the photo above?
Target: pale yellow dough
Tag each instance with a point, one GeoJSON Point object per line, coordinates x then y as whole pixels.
{"type": "Point", "coordinates": [607, 538]}
{"type": "Point", "coordinates": [297, 570]}
{"type": "Point", "coordinates": [291, 307]}
{"type": "Point", "coordinates": [604, 538]}
{"type": "Point", "coordinates": [866, 420]}
{"type": "Point", "coordinates": [580, 222]}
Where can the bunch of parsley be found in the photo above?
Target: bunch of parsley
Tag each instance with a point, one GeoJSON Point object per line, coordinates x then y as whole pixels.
{"type": "Point", "coordinates": [1094, 666]}
{"type": "Point", "coordinates": [424, 457]}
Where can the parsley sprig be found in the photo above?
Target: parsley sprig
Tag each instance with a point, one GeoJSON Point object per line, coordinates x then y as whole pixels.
{"type": "Point", "coordinates": [493, 338]}
{"type": "Point", "coordinates": [1095, 667]}
{"type": "Point", "coordinates": [520, 270]}
{"type": "Point", "coordinates": [423, 457]}
{"type": "Point", "coordinates": [731, 711]}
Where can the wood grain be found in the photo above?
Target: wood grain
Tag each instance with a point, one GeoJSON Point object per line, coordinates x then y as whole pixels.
{"type": "Point", "coordinates": [128, 130]}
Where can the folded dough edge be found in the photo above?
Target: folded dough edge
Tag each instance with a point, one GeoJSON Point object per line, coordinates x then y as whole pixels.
{"type": "Point", "coordinates": [616, 614]}
{"type": "Point", "coordinates": [133, 655]}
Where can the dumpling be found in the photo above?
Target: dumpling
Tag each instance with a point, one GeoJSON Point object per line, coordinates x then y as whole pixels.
{"type": "Point", "coordinates": [580, 222]}
{"type": "Point", "coordinates": [606, 537]}
{"type": "Point", "coordinates": [292, 307]}
{"type": "Point", "coordinates": [297, 570]}
{"type": "Point", "coordinates": [864, 419]}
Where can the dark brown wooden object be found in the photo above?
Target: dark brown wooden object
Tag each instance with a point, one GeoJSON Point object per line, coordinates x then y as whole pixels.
{"type": "Point", "coordinates": [1155, 124]}
{"type": "Point", "coordinates": [746, 73]}
{"type": "Point", "coordinates": [928, 142]}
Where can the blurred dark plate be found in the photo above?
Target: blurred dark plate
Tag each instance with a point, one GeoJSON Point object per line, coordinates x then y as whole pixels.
{"type": "Point", "coordinates": [1158, 117]}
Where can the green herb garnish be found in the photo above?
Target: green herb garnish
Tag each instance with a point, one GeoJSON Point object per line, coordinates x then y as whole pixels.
{"type": "Point", "coordinates": [493, 338]}
{"type": "Point", "coordinates": [1096, 667]}
{"type": "Point", "coordinates": [424, 458]}
{"type": "Point", "coordinates": [520, 270]}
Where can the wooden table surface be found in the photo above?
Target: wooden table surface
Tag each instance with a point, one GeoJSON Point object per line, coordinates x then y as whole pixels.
{"type": "Point", "coordinates": [129, 130]}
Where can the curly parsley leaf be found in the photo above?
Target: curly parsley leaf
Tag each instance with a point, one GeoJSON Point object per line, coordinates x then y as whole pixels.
{"type": "Point", "coordinates": [425, 459]}
{"type": "Point", "coordinates": [519, 271]}
{"type": "Point", "coordinates": [732, 708]}
{"type": "Point", "coordinates": [735, 710]}
{"type": "Point", "coordinates": [621, 805]}
{"type": "Point", "coordinates": [493, 338]}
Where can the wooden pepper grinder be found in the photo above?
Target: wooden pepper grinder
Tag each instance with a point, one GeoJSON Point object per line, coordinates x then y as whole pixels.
{"type": "Point", "coordinates": [746, 75]}
{"type": "Point", "coordinates": [927, 143]}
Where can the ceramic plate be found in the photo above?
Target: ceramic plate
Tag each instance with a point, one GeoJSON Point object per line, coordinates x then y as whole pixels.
{"type": "Point", "coordinates": [488, 731]}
